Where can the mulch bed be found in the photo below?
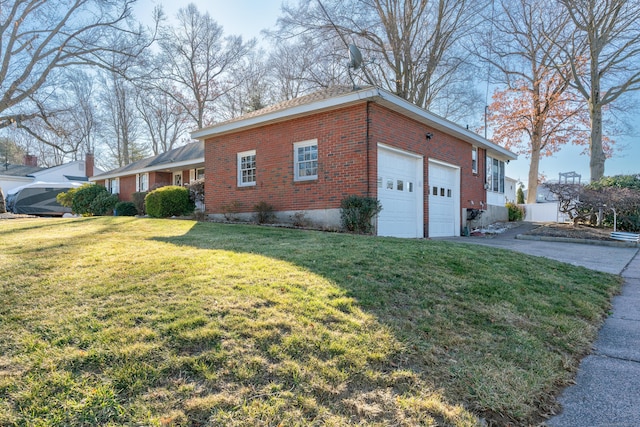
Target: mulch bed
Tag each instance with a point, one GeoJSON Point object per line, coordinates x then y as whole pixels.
{"type": "Point", "coordinates": [571, 231]}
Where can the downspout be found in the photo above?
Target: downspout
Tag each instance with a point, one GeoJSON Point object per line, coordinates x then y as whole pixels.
{"type": "Point", "coordinates": [368, 154]}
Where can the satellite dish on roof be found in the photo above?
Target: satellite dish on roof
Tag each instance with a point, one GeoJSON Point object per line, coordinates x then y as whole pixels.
{"type": "Point", "coordinates": [355, 57]}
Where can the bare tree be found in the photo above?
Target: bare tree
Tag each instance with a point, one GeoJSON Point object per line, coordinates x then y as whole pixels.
{"type": "Point", "coordinates": [199, 61]}
{"type": "Point", "coordinates": [121, 123]}
{"type": "Point", "coordinates": [165, 119]}
{"type": "Point", "coordinates": [40, 39]}
{"type": "Point", "coordinates": [603, 53]}
{"type": "Point", "coordinates": [304, 65]}
{"type": "Point", "coordinates": [415, 45]}
{"type": "Point", "coordinates": [253, 90]}
{"type": "Point", "coordinates": [536, 113]}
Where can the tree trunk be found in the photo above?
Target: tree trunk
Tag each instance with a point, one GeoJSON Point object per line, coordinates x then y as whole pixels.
{"type": "Point", "coordinates": [596, 163]}
{"type": "Point", "coordinates": [532, 186]}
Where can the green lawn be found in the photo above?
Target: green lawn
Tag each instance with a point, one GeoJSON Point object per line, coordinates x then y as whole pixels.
{"type": "Point", "coordinates": [125, 321]}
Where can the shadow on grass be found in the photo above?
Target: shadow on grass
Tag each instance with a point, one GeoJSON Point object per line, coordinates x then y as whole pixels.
{"type": "Point", "coordinates": [498, 332]}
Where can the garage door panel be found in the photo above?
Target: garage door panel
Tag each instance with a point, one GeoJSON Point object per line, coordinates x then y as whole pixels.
{"type": "Point", "coordinates": [399, 177]}
{"type": "Point", "coordinates": [444, 195]}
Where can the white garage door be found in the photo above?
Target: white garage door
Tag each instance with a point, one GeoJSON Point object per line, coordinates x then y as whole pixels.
{"type": "Point", "coordinates": [444, 200]}
{"type": "Point", "coordinates": [400, 193]}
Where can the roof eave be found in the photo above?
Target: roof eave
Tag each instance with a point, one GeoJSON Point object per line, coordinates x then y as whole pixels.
{"type": "Point", "coordinates": [380, 96]}
{"type": "Point", "coordinates": [338, 101]}
{"type": "Point", "coordinates": [155, 168]}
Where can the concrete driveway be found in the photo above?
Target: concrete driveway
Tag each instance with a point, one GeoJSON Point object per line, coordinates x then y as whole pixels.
{"type": "Point", "coordinates": [610, 259]}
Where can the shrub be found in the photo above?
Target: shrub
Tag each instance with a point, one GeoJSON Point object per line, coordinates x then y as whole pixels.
{"type": "Point", "coordinates": [520, 195]}
{"type": "Point", "coordinates": [299, 219]}
{"type": "Point", "coordinates": [356, 213]}
{"type": "Point", "coordinates": [231, 210]}
{"type": "Point", "coordinates": [66, 199]}
{"type": "Point", "coordinates": [169, 201]}
{"type": "Point", "coordinates": [264, 212]}
{"type": "Point", "coordinates": [90, 199]}
{"type": "Point", "coordinates": [138, 200]}
{"type": "Point", "coordinates": [103, 204]}
{"type": "Point", "coordinates": [516, 213]}
{"type": "Point", "coordinates": [196, 190]}
{"type": "Point", "coordinates": [126, 209]}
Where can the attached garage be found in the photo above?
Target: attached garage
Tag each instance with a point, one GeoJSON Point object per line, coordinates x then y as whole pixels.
{"type": "Point", "coordinates": [400, 191]}
{"type": "Point", "coordinates": [444, 199]}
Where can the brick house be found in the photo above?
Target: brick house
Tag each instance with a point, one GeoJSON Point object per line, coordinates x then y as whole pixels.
{"type": "Point", "coordinates": [175, 167]}
{"type": "Point", "coordinates": [305, 155]}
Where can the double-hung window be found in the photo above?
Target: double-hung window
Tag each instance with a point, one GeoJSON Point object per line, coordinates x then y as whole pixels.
{"type": "Point", "coordinates": [474, 160]}
{"type": "Point", "coordinates": [142, 182]}
{"type": "Point", "coordinates": [247, 168]}
{"type": "Point", "coordinates": [495, 175]}
{"type": "Point", "coordinates": [305, 155]}
{"type": "Point", "coordinates": [113, 185]}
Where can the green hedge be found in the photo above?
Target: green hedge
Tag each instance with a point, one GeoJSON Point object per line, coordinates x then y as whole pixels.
{"type": "Point", "coordinates": [126, 209]}
{"type": "Point", "coordinates": [171, 200]}
{"type": "Point", "coordinates": [93, 199]}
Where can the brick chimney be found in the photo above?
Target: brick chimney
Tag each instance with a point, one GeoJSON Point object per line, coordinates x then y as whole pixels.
{"type": "Point", "coordinates": [30, 160]}
{"type": "Point", "coordinates": [88, 165]}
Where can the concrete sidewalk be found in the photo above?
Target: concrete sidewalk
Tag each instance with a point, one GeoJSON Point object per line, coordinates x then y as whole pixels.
{"type": "Point", "coordinates": [607, 389]}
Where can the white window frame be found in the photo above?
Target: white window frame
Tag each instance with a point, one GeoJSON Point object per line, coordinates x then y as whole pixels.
{"type": "Point", "coordinates": [198, 174]}
{"type": "Point", "coordinates": [297, 162]}
{"type": "Point", "coordinates": [142, 182]}
{"type": "Point", "coordinates": [474, 160]}
{"type": "Point", "coordinates": [240, 157]}
{"type": "Point", "coordinates": [192, 175]}
{"type": "Point", "coordinates": [495, 175]}
{"type": "Point", "coordinates": [113, 185]}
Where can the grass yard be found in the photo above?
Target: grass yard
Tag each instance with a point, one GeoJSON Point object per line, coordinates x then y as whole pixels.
{"type": "Point", "coordinates": [125, 321]}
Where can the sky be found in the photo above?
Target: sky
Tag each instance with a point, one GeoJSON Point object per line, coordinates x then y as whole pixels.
{"type": "Point", "coordinates": [248, 17]}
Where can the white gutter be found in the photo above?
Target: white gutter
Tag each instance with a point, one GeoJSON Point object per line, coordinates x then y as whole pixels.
{"type": "Point", "coordinates": [286, 113]}
{"type": "Point", "coordinates": [155, 168]}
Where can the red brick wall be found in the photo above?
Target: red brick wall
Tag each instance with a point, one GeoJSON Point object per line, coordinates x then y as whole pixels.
{"type": "Point", "coordinates": [390, 128]}
{"type": "Point", "coordinates": [127, 187]}
{"type": "Point", "coordinates": [160, 179]}
{"type": "Point", "coordinates": [344, 157]}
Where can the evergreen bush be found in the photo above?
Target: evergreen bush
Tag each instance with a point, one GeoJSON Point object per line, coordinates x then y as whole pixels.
{"type": "Point", "coordinates": [91, 199]}
{"type": "Point", "coordinates": [516, 213]}
{"type": "Point", "coordinates": [126, 209]}
{"type": "Point", "coordinates": [356, 213]}
{"type": "Point", "coordinates": [171, 200]}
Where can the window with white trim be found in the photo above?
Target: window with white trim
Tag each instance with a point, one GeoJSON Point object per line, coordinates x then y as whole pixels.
{"type": "Point", "coordinates": [142, 182]}
{"type": "Point", "coordinates": [177, 179]}
{"type": "Point", "coordinates": [247, 168]}
{"type": "Point", "coordinates": [474, 160]}
{"type": "Point", "coordinates": [199, 173]}
{"type": "Point", "coordinates": [495, 175]}
{"type": "Point", "coordinates": [113, 185]}
{"type": "Point", "coordinates": [305, 164]}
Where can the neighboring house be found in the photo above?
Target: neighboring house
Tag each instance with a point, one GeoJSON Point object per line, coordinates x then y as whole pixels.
{"type": "Point", "coordinates": [510, 189]}
{"type": "Point", "coordinates": [14, 176]}
{"type": "Point", "coordinates": [175, 167]}
{"type": "Point", "coordinates": [307, 154]}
